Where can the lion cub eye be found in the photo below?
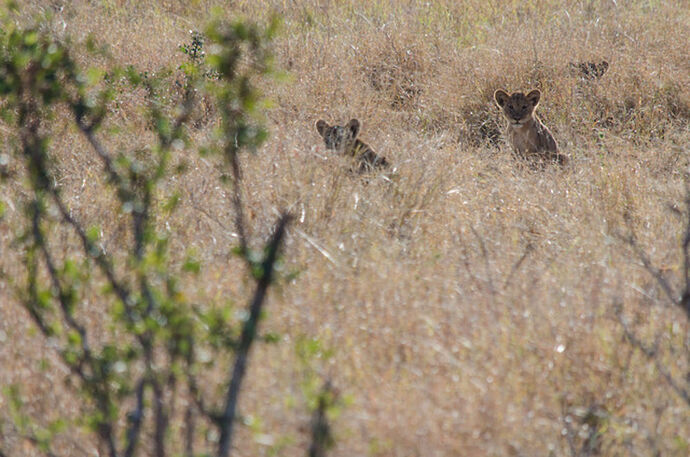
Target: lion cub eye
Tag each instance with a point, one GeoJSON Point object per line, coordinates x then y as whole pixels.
{"type": "Point", "coordinates": [524, 106]}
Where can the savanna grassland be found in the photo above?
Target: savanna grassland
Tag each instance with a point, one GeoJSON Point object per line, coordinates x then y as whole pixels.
{"type": "Point", "coordinates": [463, 304]}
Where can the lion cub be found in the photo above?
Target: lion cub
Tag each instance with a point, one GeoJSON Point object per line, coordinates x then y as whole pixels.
{"type": "Point", "coordinates": [526, 133]}
{"type": "Point", "coordinates": [589, 70]}
{"type": "Point", "coordinates": [343, 140]}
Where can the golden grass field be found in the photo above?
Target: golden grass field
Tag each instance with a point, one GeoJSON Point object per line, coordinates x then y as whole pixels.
{"type": "Point", "coordinates": [468, 300]}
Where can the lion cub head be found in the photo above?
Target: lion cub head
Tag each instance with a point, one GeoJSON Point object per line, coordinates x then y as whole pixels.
{"type": "Point", "coordinates": [338, 138]}
{"type": "Point", "coordinates": [518, 108]}
{"type": "Point", "coordinates": [589, 70]}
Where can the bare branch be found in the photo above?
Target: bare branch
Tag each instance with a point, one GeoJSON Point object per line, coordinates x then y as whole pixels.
{"type": "Point", "coordinates": [161, 419]}
{"type": "Point", "coordinates": [36, 443]}
{"type": "Point", "coordinates": [681, 391]}
{"type": "Point", "coordinates": [102, 153]}
{"type": "Point", "coordinates": [61, 294]}
{"type": "Point", "coordinates": [569, 435]}
{"type": "Point", "coordinates": [247, 338]}
{"type": "Point", "coordinates": [189, 431]}
{"type": "Point", "coordinates": [321, 438]}
{"type": "Point", "coordinates": [198, 398]}
{"type": "Point", "coordinates": [651, 353]}
{"type": "Point", "coordinates": [485, 255]}
{"type": "Point", "coordinates": [528, 249]}
{"type": "Point", "coordinates": [93, 251]}
{"type": "Point", "coordinates": [135, 419]}
{"type": "Point", "coordinates": [237, 200]}
{"type": "Point", "coordinates": [685, 297]}
{"type": "Point", "coordinates": [655, 272]}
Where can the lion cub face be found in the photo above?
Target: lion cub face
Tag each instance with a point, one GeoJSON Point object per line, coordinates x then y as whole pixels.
{"type": "Point", "coordinates": [518, 108]}
{"type": "Point", "coordinates": [339, 138]}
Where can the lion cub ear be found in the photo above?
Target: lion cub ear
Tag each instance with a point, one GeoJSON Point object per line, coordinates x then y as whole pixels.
{"type": "Point", "coordinates": [353, 125]}
{"type": "Point", "coordinates": [321, 126]}
{"type": "Point", "coordinates": [603, 66]}
{"type": "Point", "coordinates": [501, 98]}
{"type": "Point", "coordinates": [533, 97]}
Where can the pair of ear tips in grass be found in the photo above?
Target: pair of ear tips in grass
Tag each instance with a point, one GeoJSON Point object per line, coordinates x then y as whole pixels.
{"type": "Point", "coordinates": [502, 96]}
{"type": "Point", "coordinates": [322, 125]}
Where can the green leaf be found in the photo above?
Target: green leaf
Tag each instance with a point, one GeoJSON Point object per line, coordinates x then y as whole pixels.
{"type": "Point", "coordinates": [172, 202]}
{"type": "Point", "coordinates": [31, 38]}
{"type": "Point", "coordinates": [74, 338]}
{"type": "Point", "coordinates": [94, 75]}
{"type": "Point", "coordinates": [93, 233]}
{"type": "Point", "coordinates": [192, 266]}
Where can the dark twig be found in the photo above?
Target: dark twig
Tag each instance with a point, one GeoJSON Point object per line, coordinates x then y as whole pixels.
{"type": "Point", "coordinates": [198, 399]}
{"type": "Point", "coordinates": [33, 440]}
{"type": "Point", "coordinates": [135, 419]}
{"type": "Point", "coordinates": [97, 254]}
{"type": "Point", "coordinates": [108, 164]}
{"type": "Point", "coordinates": [61, 294]}
{"type": "Point", "coordinates": [247, 338]}
{"type": "Point", "coordinates": [685, 297]}
{"type": "Point", "coordinates": [485, 255]}
{"type": "Point", "coordinates": [189, 430]}
{"type": "Point", "coordinates": [570, 433]}
{"type": "Point", "coordinates": [161, 419]}
{"type": "Point", "coordinates": [528, 249]}
{"type": "Point", "coordinates": [682, 300]}
{"type": "Point", "coordinates": [237, 200]}
{"type": "Point", "coordinates": [655, 272]}
{"type": "Point", "coordinates": [34, 150]}
{"type": "Point", "coordinates": [321, 437]}
{"type": "Point", "coordinates": [651, 353]}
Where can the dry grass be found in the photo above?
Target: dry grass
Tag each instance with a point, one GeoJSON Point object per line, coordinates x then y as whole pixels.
{"type": "Point", "coordinates": [469, 301]}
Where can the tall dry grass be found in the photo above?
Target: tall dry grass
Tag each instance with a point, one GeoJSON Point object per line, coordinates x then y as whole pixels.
{"type": "Point", "coordinates": [469, 300]}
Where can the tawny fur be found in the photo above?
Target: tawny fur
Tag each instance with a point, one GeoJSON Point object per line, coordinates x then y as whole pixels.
{"type": "Point", "coordinates": [528, 136]}
{"type": "Point", "coordinates": [343, 140]}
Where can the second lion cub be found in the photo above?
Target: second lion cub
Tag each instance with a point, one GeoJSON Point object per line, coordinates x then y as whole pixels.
{"type": "Point", "coordinates": [343, 140]}
{"type": "Point", "coordinates": [528, 136]}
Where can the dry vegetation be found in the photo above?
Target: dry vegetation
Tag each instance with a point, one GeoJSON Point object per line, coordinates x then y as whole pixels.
{"type": "Point", "coordinates": [468, 300]}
